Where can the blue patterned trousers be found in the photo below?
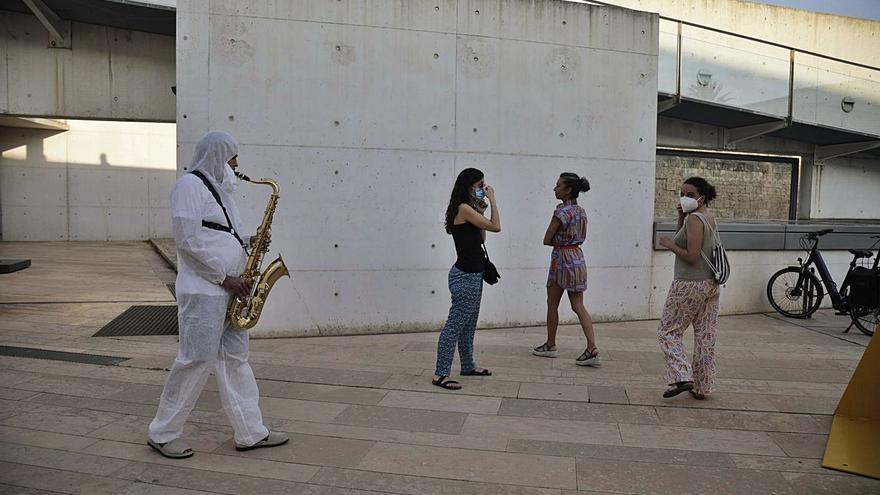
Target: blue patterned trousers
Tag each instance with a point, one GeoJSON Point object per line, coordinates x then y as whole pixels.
{"type": "Point", "coordinates": [467, 290]}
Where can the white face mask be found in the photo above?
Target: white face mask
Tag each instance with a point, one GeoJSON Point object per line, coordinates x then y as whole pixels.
{"type": "Point", "coordinates": [230, 181]}
{"type": "Point", "coordinates": [688, 204]}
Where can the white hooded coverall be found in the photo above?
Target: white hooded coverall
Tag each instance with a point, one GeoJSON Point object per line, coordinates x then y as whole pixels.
{"type": "Point", "coordinates": [205, 257]}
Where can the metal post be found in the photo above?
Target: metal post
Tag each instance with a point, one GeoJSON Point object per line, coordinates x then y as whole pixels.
{"type": "Point", "coordinates": [790, 84]}
{"type": "Point", "coordinates": [678, 66]}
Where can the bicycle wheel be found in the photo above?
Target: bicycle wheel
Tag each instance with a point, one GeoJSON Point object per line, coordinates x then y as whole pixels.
{"type": "Point", "coordinates": [791, 300]}
{"type": "Point", "coordinates": [865, 319]}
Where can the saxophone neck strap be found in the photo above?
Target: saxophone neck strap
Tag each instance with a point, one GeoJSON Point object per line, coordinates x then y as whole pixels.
{"type": "Point", "coordinates": [216, 226]}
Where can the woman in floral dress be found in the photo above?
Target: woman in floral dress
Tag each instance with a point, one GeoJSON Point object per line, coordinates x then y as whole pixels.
{"type": "Point", "coordinates": [568, 271]}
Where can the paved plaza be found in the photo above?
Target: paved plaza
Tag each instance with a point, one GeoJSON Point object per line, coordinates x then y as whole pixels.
{"type": "Point", "coordinates": [364, 418]}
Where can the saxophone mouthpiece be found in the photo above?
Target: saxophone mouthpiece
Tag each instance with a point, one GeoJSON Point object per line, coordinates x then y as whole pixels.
{"type": "Point", "coordinates": [242, 176]}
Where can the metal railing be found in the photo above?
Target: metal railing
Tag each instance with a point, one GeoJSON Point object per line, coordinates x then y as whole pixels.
{"type": "Point", "coordinates": [727, 69]}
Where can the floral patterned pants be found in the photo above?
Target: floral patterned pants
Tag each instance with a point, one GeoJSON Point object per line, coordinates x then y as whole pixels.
{"type": "Point", "coordinates": [690, 302]}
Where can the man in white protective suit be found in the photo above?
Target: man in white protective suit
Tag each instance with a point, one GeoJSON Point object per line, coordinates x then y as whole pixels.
{"type": "Point", "coordinates": [210, 258]}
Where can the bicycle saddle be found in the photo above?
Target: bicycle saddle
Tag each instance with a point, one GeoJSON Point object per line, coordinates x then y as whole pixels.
{"type": "Point", "coordinates": [861, 253]}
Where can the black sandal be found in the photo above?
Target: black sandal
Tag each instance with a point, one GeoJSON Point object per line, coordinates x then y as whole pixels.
{"type": "Point", "coordinates": [474, 372]}
{"type": "Point", "coordinates": [697, 395]}
{"type": "Point", "coordinates": [442, 382]}
{"type": "Point", "coordinates": [678, 388]}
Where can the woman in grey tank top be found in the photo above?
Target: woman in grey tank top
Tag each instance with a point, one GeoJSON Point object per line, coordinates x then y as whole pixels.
{"type": "Point", "coordinates": [693, 296]}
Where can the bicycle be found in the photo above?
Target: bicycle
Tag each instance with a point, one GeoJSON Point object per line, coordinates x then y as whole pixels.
{"type": "Point", "coordinates": [795, 291]}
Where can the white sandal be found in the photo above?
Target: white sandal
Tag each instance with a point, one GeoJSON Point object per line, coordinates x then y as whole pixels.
{"type": "Point", "coordinates": [175, 449]}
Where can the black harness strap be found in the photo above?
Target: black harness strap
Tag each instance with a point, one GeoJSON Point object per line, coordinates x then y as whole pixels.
{"type": "Point", "coordinates": [217, 226]}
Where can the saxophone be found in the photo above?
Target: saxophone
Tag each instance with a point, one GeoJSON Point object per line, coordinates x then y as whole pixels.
{"type": "Point", "coordinates": [245, 312]}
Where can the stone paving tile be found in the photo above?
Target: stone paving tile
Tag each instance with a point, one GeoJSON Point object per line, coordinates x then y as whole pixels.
{"type": "Point", "coordinates": [309, 449]}
{"type": "Point", "coordinates": [61, 420]}
{"type": "Point", "coordinates": [414, 485]}
{"type": "Point", "coordinates": [577, 393]}
{"type": "Point", "coordinates": [809, 484]}
{"type": "Point", "coordinates": [320, 412]}
{"type": "Point", "coordinates": [114, 406]}
{"type": "Point", "coordinates": [183, 477]}
{"type": "Point", "coordinates": [603, 413]}
{"type": "Point", "coordinates": [206, 461]}
{"type": "Point", "coordinates": [784, 374]}
{"type": "Point", "coordinates": [621, 453]}
{"type": "Point", "coordinates": [608, 395]}
{"type": "Point", "coordinates": [397, 436]}
{"type": "Point", "coordinates": [18, 490]}
{"type": "Point", "coordinates": [491, 387]}
{"type": "Point", "coordinates": [739, 420]}
{"type": "Point", "coordinates": [59, 459]}
{"type": "Point", "coordinates": [320, 393]}
{"type": "Point", "coordinates": [542, 429]}
{"type": "Point", "coordinates": [133, 429]}
{"type": "Point", "coordinates": [801, 444]}
{"type": "Point", "coordinates": [663, 479]}
{"type": "Point", "coordinates": [149, 394]}
{"type": "Point", "coordinates": [45, 439]}
{"type": "Point", "coordinates": [472, 465]}
{"type": "Point", "coordinates": [824, 421]}
{"type": "Point", "coordinates": [700, 439]}
{"type": "Point", "coordinates": [149, 489]}
{"type": "Point", "coordinates": [396, 418]}
{"type": "Point", "coordinates": [219, 418]}
{"type": "Point", "coordinates": [441, 402]}
{"type": "Point", "coordinates": [770, 463]}
{"type": "Point", "coordinates": [10, 408]}
{"type": "Point", "coordinates": [734, 401]}
{"type": "Point", "coordinates": [808, 405]}
{"type": "Point", "coordinates": [324, 376]}
{"type": "Point", "coordinates": [71, 385]}
{"type": "Point", "coordinates": [59, 481]}
{"type": "Point", "coordinates": [17, 394]}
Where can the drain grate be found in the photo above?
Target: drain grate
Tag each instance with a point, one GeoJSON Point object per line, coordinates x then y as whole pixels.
{"type": "Point", "coordinates": [172, 288]}
{"type": "Point", "coordinates": [73, 357]}
{"type": "Point", "coordinates": [142, 320]}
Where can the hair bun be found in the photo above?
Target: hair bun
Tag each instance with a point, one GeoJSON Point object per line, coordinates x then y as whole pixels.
{"type": "Point", "coordinates": [585, 184]}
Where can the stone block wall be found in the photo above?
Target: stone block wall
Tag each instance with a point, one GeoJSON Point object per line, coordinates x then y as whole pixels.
{"type": "Point", "coordinates": [746, 189]}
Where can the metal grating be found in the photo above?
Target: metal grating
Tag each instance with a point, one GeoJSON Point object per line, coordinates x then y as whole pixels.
{"type": "Point", "coordinates": [73, 357]}
{"type": "Point", "coordinates": [142, 320]}
{"type": "Point", "coordinates": [172, 288]}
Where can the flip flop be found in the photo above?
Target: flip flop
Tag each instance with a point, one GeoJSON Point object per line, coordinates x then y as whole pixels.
{"type": "Point", "coordinates": [474, 372]}
{"type": "Point", "coordinates": [175, 449]}
{"type": "Point", "coordinates": [442, 382]}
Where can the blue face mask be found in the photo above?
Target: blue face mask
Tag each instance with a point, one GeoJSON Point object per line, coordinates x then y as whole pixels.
{"type": "Point", "coordinates": [480, 194]}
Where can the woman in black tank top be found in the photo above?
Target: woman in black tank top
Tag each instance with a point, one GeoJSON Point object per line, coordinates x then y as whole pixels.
{"type": "Point", "coordinates": [466, 222]}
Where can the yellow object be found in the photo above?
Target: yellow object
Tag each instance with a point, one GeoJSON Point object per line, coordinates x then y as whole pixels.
{"type": "Point", "coordinates": [854, 443]}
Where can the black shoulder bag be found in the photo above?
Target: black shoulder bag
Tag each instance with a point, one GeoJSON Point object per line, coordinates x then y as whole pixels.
{"type": "Point", "coordinates": [217, 226]}
{"type": "Point", "coordinates": [490, 273]}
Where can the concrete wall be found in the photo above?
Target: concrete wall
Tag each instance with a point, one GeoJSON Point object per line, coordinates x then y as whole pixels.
{"type": "Point", "coordinates": [98, 180]}
{"type": "Point", "coordinates": [366, 112]}
{"type": "Point", "coordinates": [108, 73]}
{"type": "Point", "coordinates": [846, 187]}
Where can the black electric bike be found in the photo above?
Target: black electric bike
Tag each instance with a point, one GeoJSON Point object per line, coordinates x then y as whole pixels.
{"type": "Point", "coordinates": [797, 293]}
